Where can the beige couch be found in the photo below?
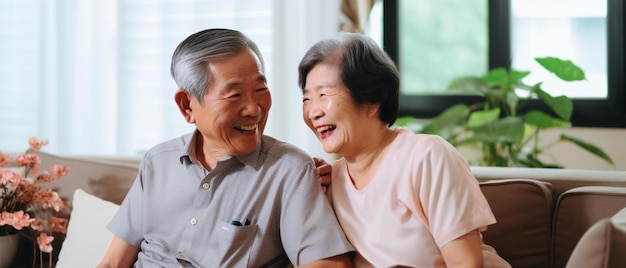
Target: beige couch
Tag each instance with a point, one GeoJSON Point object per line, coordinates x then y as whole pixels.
{"type": "Point", "coordinates": [542, 213]}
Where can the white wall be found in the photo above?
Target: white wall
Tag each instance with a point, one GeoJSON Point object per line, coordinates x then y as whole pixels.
{"type": "Point", "coordinates": [611, 140]}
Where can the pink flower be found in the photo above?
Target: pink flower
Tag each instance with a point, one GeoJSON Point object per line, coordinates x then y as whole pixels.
{"type": "Point", "coordinates": [25, 204]}
{"type": "Point", "coordinates": [58, 224]}
{"type": "Point", "coordinates": [25, 192]}
{"type": "Point", "coordinates": [57, 172]}
{"type": "Point", "coordinates": [49, 199]}
{"type": "Point", "coordinates": [44, 242]}
{"type": "Point", "coordinates": [17, 219]}
{"type": "Point", "coordinates": [30, 161]}
{"type": "Point", "coordinates": [5, 159]}
{"type": "Point", "coordinates": [37, 225]}
{"type": "Point", "coordinates": [36, 145]}
{"type": "Point", "coordinates": [42, 176]}
{"type": "Point", "coordinates": [10, 177]}
{"type": "Point", "coordinates": [60, 171]}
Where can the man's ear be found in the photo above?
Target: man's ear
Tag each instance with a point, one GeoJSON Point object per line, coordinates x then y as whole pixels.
{"type": "Point", "coordinates": [183, 101]}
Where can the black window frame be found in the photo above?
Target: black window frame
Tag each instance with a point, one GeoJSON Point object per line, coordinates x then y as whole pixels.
{"type": "Point", "coordinates": [588, 112]}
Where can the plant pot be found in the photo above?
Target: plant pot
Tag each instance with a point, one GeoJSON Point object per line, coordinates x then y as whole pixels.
{"type": "Point", "coordinates": [8, 249]}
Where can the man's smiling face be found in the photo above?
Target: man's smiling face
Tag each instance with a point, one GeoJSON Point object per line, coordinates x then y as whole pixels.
{"type": "Point", "coordinates": [235, 108]}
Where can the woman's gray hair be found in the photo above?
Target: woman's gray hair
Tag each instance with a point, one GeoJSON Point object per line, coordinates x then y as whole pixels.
{"type": "Point", "coordinates": [193, 55]}
{"type": "Point", "coordinates": [364, 68]}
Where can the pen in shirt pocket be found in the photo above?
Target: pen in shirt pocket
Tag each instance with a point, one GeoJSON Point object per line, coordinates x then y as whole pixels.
{"type": "Point", "coordinates": [238, 223]}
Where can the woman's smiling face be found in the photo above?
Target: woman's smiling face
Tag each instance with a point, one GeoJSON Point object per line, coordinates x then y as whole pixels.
{"type": "Point", "coordinates": [330, 111]}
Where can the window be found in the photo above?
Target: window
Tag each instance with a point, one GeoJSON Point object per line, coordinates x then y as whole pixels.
{"type": "Point", "coordinates": [577, 33]}
{"type": "Point", "coordinates": [93, 76]}
{"type": "Point", "coordinates": [434, 41]}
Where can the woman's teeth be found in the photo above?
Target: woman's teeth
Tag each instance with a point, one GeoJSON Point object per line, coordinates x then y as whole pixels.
{"type": "Point", "coordinates": [325, 129]}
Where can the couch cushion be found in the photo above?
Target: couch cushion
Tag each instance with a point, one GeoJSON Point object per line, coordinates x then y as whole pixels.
{"type": "Point", "coordinates": [576, 211]}
{"type": "Point", "coordinates": [108, 180]}
{"type": "Point", "coordinates": [603, 245]}
{"type": "Point", "coordinates": [87, 238]}
{"type": "Point", "coordinates": [522, 208]}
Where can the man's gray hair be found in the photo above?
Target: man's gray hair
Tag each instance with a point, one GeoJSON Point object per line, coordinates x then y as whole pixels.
{"type": "Point", "coordinates": [193, 55]}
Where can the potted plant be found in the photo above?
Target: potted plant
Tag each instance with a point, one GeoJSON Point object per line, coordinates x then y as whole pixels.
{"type": "Point", "coordinates": [26, 206]}
{"type": "Point", "coordinates": [502, 126]}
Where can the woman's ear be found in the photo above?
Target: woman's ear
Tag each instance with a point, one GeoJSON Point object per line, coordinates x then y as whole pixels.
{"type": "Point", "coordinates": [372, 109]}
{"type": "Point", "coordinates": [183, 101]}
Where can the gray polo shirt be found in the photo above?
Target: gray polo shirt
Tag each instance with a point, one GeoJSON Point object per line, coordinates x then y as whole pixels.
{"type": "Point", "coordinates": [263, 209]}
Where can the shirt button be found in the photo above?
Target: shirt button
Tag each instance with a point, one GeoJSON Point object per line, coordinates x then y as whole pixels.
{"type": "Point", "coordinates": [193, 221]}
{"type": "Point", "coordinates": [205, 186]}
{"type": "Point", "coordinates": [181, 250]}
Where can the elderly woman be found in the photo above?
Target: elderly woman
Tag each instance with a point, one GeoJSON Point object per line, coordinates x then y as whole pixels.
{"type": "Point", "coordinates": [403, 199]}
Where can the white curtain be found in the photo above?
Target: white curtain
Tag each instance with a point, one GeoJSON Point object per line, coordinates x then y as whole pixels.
{"type": "Point", "coordinates": [92, 76]}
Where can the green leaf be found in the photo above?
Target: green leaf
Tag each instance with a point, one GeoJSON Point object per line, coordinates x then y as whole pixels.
{"type": "Point", "coordinates": [543, 120]}
{"type": "Point", "coordinates": [496, 76]}
{"type": "Point", "coordinates": [471, 85]}
{"type": "Point", "coordinates": [528, 131]}
{"type": "Point", "coordinates": [494, 96]}
{"type": "Point", "coordinates": [564, 69]}
{"type": "Point", "coordinates": [467, 142]}
{"type": "Point", "coordinates": [497, 79]}
{"type": "Point", "coordinates": [445, 123]}
{"type": "Point", "coordinates": [561, 105]}
{"type": "Point", "coordinates": [533, 162]}
{"type": "Point", "coordinates": [404, 121]}
{"type": "Point", "coordinates": [517, 76]}
{"type": "Point", "coordinates": [506, 130]}
{"type": "Point", "coordinates": [480, 118]}
{"type": "Point", "coordinates": [588, 147]}
{"type": "Point", "coordinates": [512, 101]}
{"type": "Point", "coordinates": [409, 122]}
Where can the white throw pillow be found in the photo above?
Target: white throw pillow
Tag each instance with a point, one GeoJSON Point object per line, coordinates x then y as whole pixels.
{"type": "Point", "coordinates": [87, 238]}
{"type": "Point", "coordinates": [602, 245]}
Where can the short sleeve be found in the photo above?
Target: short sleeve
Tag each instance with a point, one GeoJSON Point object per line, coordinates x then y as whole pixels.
{"type": "Point", "coordinates": [127, 223]}
{"type": "Point", "coordinates": [309, 229]}
{"type": "Point", "coordinates": [449, 193]}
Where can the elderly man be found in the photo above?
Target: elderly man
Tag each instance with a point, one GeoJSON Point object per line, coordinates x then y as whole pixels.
{"type": "Point", "coordinates": [225, 195]}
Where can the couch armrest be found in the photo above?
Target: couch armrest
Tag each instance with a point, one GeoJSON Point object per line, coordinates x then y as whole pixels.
{"type": "Point", "coordinates": [576, 211]}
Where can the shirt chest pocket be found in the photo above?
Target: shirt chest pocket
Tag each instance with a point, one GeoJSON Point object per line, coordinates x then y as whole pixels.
{"type": "Point", "coordinates": [235, 243]}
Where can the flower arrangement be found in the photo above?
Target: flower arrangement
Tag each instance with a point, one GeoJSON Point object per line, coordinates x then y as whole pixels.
{"type": "Point", "coordinates": [26, 207]}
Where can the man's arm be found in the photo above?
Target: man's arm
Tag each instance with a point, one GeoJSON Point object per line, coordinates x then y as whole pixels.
{"type": "Point", "coordinates": [120, 254]}
{"type": "Point", "coordinates": [317, 239]}
{"type": "Point", "coordinates": [342, 260]}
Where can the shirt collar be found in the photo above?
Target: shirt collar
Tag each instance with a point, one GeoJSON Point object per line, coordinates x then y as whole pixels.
{"type": "Point", "coordinates": [188, 152]}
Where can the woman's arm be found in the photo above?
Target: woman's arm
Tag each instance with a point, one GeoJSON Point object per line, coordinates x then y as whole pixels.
{"type": "Point", "coordinates": [465, 251]}
{"type": "Point", "coordinates": [120, 254]}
